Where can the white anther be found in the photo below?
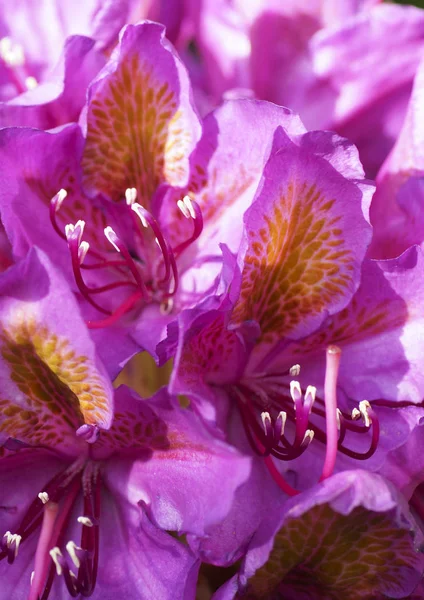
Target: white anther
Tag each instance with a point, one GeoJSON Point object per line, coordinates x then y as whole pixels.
{"type": "Point", "coordinates": [12, 53]}
{"type": "Point", "coordinates": [80, 224]}
{"type": "Point", "coordinates": [282, 415]}
{"type": "Point", "coordinates": [82, 251]}
{"type": "Point", "coordinates": [69, 230]}
{"type": "Point", "coordinates": [12, 538]}
{"type": "Point", "coordinates": [295, 390]}
{"type": "Point", "coordinates": [55, 553]}
{"type": "Point", "coordinates": [355, 414]}
{"type": "Point", "coordinates": [311, 391]}
{"type": "Point", "coordinates": [59, 198]}
{"type": "Point", "coordinates": [85, 521]}
{"type": "Point", "coordinates": [308, 437]}
{"type": "Point", "coordinates": [364, 407]}
{"type": "Point", "coordinates": [266, 420]}
{"type": "Point", "coordinates": [130, 196]}
{"type": "Point", "coordinates": [294, 370]}
{"type": "Point", "coordinates": [44, 497]}
{"type": "Point", "coordinates": [71, 547]}
{"type": "Point", "coordinates": [138, 209]}
{"type": "Point", "coordinates": [186, 207]}
{"type": "Point", "coordinates": [167, 306]}
{"type": "Point", "coordinates": [32, 577]}
{"type": "Point", "coordinates": [5, 45]}
{"type": "Point", "coordinates": [338, 415]}
{"type": "Point", "coordinates": [17, 540]}
{"type": "Point", "coordinates": [183, 209]}
{"type": "Point", "coordinates": [78, 229]}
{"type": "Point", "coordinates": [30, 82]}
{"type": "Point", "coordinates": [110, 235]}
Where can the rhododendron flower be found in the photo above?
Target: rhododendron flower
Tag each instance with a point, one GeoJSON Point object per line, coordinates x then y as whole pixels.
{"type": "Point", "coordinates": [283, 319]}
{"type": "Point", "coordinates": [274, 326]}
{"type": "Point", "coordinates": [348, 537]}
{"type": "Point", "coordinates": [46, 62]}
{"type": "Point", "coordinates": [344, 66]}
{"type": "Point", "coordinates": [397, 206]}
{"type": "Point", "coordinates": [122, 260]}
{"type": "Point", "coordinates": [51, 50]}
{"type": "Point", "coordinates": [88, 505]}
{"type": "Point", "coordinates": [300, 260]}
{"type": "Point", "coordinates": [141, 218]}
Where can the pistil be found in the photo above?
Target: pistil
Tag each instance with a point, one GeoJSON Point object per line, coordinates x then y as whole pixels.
{"type": "Point", "coordinates": [42, 559]}
{"type": "Point", "coordinates": [330, 396]}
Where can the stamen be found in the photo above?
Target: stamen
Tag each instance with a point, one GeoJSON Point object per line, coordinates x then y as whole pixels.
{"type": "Point", "coordinates": [295, 391]}
{"type": "Point", "coordinates": [280, 424]}
{"type": "Point", "coordinates": [11, 542]}
{"type": "Point", "coordinates": [73, 236]}
{"type": "Point", "coordinates": [75, 232]}
{"type": "Point", "coordinates": [130, 196]}
{"type": "Point", "coordinates": [330, 397]}
{"type": "Point", "coordinates": [86, 521]}
{"type": "Point", "coordinates": [370, 420]}
{"type": "Point", "coordinates": [58, 199]}
{"type": "Point", "coordinates": [55, 553]}
{"type": "Point", "coordinates": [310, 395]}
{"type": "Point", "coordinates": [364, 409]}
{"type": "Point", "coordinates": [82, 251]}
{"type": "Point", "coordinates": [356, 414]}
{"type": "Point", "coordinates": [44, 497]}
{"type": "Point", "coordinates": [55, 205]}
{"type": "Point", "coordinates": [186, 207]}
{"type": "Point", "coordinates": [62, 568]}
{"type": "Point", "coordinates": [167, 254]}
{"type": "Point", "coordinates": [302, 409]}
{"type": "Point", "coordinates": [111, 237]}
{"type": "Point", "coordinates": [167, 306]}
{"type": "Point", "coordinates": [71, 582]}
{"type": "Point", "coordinates": [30, 82]}
{"type": "Point", "coordinates": [73, 550]}
{"type": "Point", "coordinates": [120, 247]}
{"type": "Point", "coordinates": [339, 420]}
{"type": "Point", "coordinates": [190, 210]}
{"type": "Point", "coordinates": [87, 573]}
{"type": "Point", "coordinates": [308, 437]}
{"type": "Point", "coordinates": [294, 370]}
{"type": "Point", "coordinates": [266, 422]}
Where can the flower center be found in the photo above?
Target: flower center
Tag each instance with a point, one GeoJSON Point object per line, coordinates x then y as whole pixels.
{"type": "Point", "coordinates": [50, 513]}
{"type": "Point", "coordinates": [289, 420]}
{"type": "Point", "coordinates": [144, 272]}
{"type": "Point", "coordinates": [13, 59]}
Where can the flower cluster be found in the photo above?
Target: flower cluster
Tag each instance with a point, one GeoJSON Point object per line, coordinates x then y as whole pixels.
{"type": "Point", "coordinates": [211, 300]}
